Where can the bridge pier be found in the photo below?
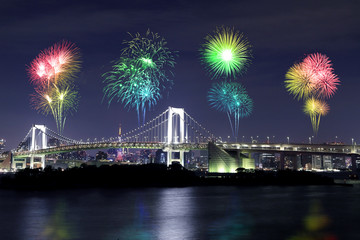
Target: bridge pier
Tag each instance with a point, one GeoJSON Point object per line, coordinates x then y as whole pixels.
{"type": "Point", "coordinates": [32, 161]}
{"type": "Point", "coordinates": [170, 158]}
{"type": "Point", "coordinates": [42, 161]}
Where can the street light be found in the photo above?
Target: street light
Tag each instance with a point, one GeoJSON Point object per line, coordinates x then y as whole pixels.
{"type": "Point", "coordinates": [268, 139]}
{"type": "Point", "coordinates": [309, 140]}
{"type": "Point", "coordinates": [288, 140]}
{"type": "Point", "coordinates": [352, 141]}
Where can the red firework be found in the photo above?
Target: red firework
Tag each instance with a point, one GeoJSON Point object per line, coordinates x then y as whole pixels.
{"type": "Point", "coordinates": [319, 67]}
{"type": "Point", "coordinates": [317, 63]}
{"type": "Point", "coordinates": [57, 63]}
{"type": "Point", "coordinates": [326, 84]}
{"type": "Point", "coordinates": [40, 71]}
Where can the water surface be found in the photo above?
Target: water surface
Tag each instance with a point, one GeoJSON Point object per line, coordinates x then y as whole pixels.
{"type": "Point", "coordinates": [182, 213]}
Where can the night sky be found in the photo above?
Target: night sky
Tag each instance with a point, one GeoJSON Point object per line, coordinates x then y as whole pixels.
{"type": "Point", "coordinates": [281, 33]}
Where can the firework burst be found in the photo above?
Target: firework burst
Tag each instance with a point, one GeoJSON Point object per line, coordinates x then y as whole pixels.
{"type": "Point", "coordinates": [55, 65]}
{"type": "Point", "coordinates": [299, 82]}
{"type": "Point", "coordinates": [226, 53]}
{"type": "Point", "coordinates": [314, 76]}
{"type": "Point", "coordinates": [311, 80]}
{"type": "Point", "coordinates": [315, 109]}
{"type": "Point", "coordinates": [319, 67]}
{"type": "Point", "coordinates": [151, 54]}
{"type": "Point", "coordinates": [52, 72]}
{"type": "Point", "coordinates": [232, 98]}
{"type": "Point", "coordinates": [141, 73]}
{"type": "Point", "coordinates": [60, 102]}
{"type": "Point", "coordinates": [65, 101]}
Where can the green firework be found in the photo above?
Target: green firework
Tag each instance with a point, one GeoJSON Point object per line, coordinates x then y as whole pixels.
{"type": "Point", "coordinates": [140, 75]}
{"type": "Point", "coordinates": [226, 53]}
{"type": "Point", "coordinates": [232, 98]}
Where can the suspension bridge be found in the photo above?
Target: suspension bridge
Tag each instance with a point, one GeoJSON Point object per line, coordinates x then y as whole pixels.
{"type": "Point", "coordinates": [175, 132]}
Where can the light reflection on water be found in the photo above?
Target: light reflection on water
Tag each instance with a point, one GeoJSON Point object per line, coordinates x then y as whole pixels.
{"type": "Point", "coordinates": [181, 213]}
{"type": "Point", "coordinates": [175, 211]}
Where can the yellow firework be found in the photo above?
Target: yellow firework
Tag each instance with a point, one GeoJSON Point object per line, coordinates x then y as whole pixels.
{"type": "Point", "coordinates": [315, 109]}
{"type": "Point", "coordinates": [299, 83]}
{"type": "Point", "coordinates": [56, 101]}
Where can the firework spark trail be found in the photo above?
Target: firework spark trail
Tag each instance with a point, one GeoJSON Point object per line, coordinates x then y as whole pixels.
{"type": "Point", "coordinates": [315, 109]}
{"type": "Point", "coordinates": [310, 108]}
{"type": "Point", "coordinates": [141, 73]}
{"type": "Point", "coordinates": [323, 109]}
{"type": "Point", "coordinates": [52, 73]}
{"type": "Point", "coordinates": [311, 80]}
{"type": "Point", "coordinates": [66, 101]}
{"type": "Point", "coordinates": [226, 53]}
{"type": "Point", "coordinates": [232, 98]}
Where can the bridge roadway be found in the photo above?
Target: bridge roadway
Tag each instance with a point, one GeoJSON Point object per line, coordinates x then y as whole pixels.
{"type": "Point", "coordinates": [248, 147]}
{"type": "Point", "coordinates": [293, 148]}
{"type": "Point", "coordinates": [108, 145]}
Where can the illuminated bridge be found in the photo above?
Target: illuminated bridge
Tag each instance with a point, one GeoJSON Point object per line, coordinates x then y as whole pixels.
{"type": "Point", "coordinates": [173, 131]}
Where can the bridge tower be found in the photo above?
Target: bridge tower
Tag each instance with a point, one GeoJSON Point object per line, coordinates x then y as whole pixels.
{"type": "Point", "coordinates": [38, 141]}
{"type": "Point", "coordinates": [35, 142]}
{"type": "Point", "coordinates": [175, 135]}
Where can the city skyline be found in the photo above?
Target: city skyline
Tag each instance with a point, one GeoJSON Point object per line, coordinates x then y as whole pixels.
{"type": "Point", "coordinates": [280, 34]}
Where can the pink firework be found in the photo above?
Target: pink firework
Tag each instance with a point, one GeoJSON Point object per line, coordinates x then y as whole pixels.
{"type": "Point", "coordinates": [317, 63]}
{"type": "Point", "coordinates": [40, 71]}
{"type": "Point", "coordinates": [326, 84]}
{"type": "Point", "coordinates": [57, 63]}
{"type": "Point", "coordinates": [61, 55]}
{"type": "Point", "coordinates": [319, 67]}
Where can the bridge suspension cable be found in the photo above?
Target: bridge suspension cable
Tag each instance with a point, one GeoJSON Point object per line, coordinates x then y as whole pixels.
{"type": "Point", "coordinates": [183, 129]}
{"type": "Point", "coordinates": [153, 129]}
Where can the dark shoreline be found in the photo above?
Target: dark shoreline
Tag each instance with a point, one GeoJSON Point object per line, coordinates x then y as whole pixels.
{"type": "Point", "coordinates": [151, 175]}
